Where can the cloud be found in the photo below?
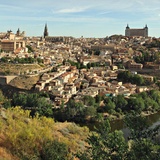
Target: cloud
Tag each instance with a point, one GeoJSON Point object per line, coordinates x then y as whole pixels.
{"type": "Point", "coordinates": [73, 10]}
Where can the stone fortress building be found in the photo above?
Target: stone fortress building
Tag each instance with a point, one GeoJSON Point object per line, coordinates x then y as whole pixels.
{"type": "Point", "coordinates": [129, 32]}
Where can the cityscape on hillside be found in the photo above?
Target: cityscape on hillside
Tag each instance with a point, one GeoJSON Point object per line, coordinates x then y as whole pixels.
{"type": "Point", "coordinates": [51, 84]}
{"type": "Point", "coordinates": [56, 80]}
{"type": "Point", "coordinates": [80, 80]}
{"type": "Point", "coordinates": [70, 67]}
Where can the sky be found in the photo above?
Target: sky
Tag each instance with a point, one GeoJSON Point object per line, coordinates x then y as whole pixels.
{"type": "Point", "coordinates": [87, 18]}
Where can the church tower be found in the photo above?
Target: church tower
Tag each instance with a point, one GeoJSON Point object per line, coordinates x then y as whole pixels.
{"type": "Point", "coordinates": [18, 32]}
{"type": "Point", "coordinates": [45, 31]}
{"type": "Point", "coordinates": [127, 31]}
{"type": "Point", "coordinates": [146, 31]}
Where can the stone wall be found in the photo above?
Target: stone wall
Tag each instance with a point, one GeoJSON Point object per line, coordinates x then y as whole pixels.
{"type": "Point", "coordinates": [6, 79]}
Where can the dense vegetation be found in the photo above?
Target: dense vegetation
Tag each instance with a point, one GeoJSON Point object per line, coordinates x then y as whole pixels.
{"type": "Point", "coordinates": [89, 108]}
{"type": "Point", "coordinates": [37, 103]}
{"type": "Point", "coordinates": [24, 135]}
{"type": "Point", "coordinates": [26, 60]}
{"type": "Point", "coordinates": [147, 56]}
{"type": "Point", "coordinates": [128, 77]}
{"type": "Point", "coordinates": [40, 138]}
{"type": "Point", "coordinates": [142, 144]}
{"type": "Point", "coordinates": [80, 65]}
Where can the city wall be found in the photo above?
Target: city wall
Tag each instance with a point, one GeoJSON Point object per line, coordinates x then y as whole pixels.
{"type": "Point", "coordinates": [6, 79]}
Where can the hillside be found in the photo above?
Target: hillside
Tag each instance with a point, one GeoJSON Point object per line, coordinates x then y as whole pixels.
{"type": "Point", "coordinates": [14, 69]}
{"type": "Point", "coordinates": [24, 82]}
{"type": "Point", "coordinates": [24, 137]}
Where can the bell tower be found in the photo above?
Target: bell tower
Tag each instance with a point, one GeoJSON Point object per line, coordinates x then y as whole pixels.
{"type": "Point", "coordinates": [45, 31]}
{"type": "Point", "coordinates": [127, 31]}
{"type": "Point", "coordinates": [146, 31]}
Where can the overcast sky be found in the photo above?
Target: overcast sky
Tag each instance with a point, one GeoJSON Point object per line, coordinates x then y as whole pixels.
{"type": "Point", "coordinates": [88, 18]}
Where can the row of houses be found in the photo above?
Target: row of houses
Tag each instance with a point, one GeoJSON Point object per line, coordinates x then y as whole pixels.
{"type": "Point", "coordinates": [68, 82]}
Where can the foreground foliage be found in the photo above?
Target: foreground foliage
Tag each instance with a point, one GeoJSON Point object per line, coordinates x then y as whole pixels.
{"type": "Point", "coordinates": [27, 137]}
{"type": "Point", "coordinates": [39, 137]}
{"type": "Point", "coordinates": [106, 145]}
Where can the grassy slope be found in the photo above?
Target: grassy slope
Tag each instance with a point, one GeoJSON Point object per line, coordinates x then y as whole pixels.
{"type": "Point", "coordinates": [20, 134]}
{"type": "Point", "coordinates": [24, 82]}
{"type": "Point", "coordinates": [17, 68]}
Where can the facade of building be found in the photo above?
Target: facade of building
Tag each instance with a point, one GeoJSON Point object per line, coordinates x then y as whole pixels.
{"type": "Point", "coordinates": [129, 32]}
{"type": "Point", "coordinates": [11, 45]}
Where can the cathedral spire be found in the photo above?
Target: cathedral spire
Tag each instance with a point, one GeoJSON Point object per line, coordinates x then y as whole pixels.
{"type": "Point", "coordinates": [18, 32]}
{"type": "Point", "coordinates": [45, 31]}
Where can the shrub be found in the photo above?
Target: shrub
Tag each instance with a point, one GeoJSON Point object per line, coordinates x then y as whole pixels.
{"type": "Point", "coordinates": [54, 150]}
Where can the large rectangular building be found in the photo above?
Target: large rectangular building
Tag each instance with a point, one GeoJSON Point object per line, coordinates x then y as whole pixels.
{"type": "Point", "coordinates": [11, 45]}
{"type": "Point", "coordinates": [130, 32]}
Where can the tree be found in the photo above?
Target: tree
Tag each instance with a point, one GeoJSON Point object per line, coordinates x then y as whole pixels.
{"type": "Point", "coordinates": [109, 106]}
{"type": "Point", "coordinates": [4, 59]}
{"type": "Point", "coordinates": [30, 49]}
{"type": "Point", "coordinates": [105, 144]}
{"type": "Point", "coordinates": [73, 111]}
{"type": "Point", "coordinates": [89, 111]}
{"type": "Point", "coordinates": [120, 102]}
{"type": "Point", "coordinates": [7, 104]}
{"type": "Point", "coordinates": [98, 98]}
{"type": "Point", "coordinates": [136, 104]}
{"type": "Point", "coordinates": [149, 103]}
{"type": "Point", "coordinates": [143, 143]}
{"type": "Point", "coordinates": [138, 80]}
{"type": "Point", "coordinates": [43, 107]}
{"type": "Point", "coordinates": [35, 102]}
{"type": "Point", "coordinates": [54, 150]}
{"type": "Point", "coordinates": [125, 76]}
{"type": "Point", "coordinates": [88, 100]}
{"type": "Point", "coordinates": [39, 60]}
{"type": "Point", "coordinates": [19, 99]}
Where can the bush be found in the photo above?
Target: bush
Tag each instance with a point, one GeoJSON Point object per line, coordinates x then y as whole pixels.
{"type": "Point", "coordinates": [54, 150]}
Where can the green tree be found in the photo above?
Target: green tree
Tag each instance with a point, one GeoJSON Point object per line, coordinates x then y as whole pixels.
{"type": "Point", "coordinates": [7, 104]}
{"type": "Point", "coordinates": [109, 106]}
{"type": "Point", "coordinates": [4, 59]}
{"type": "Point", "coordinates": [98, 98]}
{"type": "Point", "coordinates": [74, 111]}
{"type": "Point", "coordinates": [19, 99]}
{"type": "Point", "coordinates": [39, 60]}
{"type": "Point", "coordinates": [43, 107]}
{"type": "Point", "coordinates": [143, 144]}
{"type": "Point", "coordinates": [125, 76]}
{"type": "Point", "coordinates": [30, 49]}
{"type": "Point", "coordinates": [138, 80]}
{"type": "Point", "coordinates": [120, 102]}
{"type": "Point", "coordinates": [54, 150]}
{"type": "Point", "coordinates": [105, 144]}
{"type": "Point", "coordinates": [88, 100]}
{"type": "Point", "coordinates": [90, 111]}
{"type": "Point", "coordinates": [34, 102]}
{"type": "Point", "coordinates": [136, 104]}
